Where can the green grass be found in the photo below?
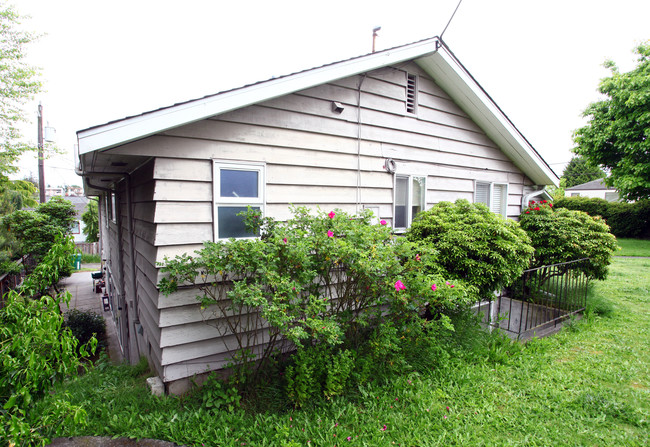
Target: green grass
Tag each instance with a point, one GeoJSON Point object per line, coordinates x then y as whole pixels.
{"type": "Point", "coordinates": [633, 247]}
{"type": "Point", "coordinates": [90, 259]}
{"type": "Point", "coordinates": [587, 385]}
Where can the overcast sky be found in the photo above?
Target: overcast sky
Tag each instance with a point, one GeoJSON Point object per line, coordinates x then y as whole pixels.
{"type": "Point", "coordinates": [100, 61]}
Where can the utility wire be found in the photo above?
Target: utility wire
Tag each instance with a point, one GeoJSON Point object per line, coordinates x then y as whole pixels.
{"type": "Point", "coordinates": [451, 18]}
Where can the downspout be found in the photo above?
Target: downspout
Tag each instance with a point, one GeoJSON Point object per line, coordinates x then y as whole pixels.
{"type": "Point", "coordinates": [134, 284]}
{"type": "Point", "coordinates": [358, 198]}
{"type": "Point", "coordinates": [525, 199]}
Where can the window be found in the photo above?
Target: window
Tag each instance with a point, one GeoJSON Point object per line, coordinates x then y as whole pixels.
{"type": "Point", "coordinates": [410, 195]}
{"type": "Point", "coordinates": [75, 228]}
{"type": "Point", "coordinates": [411, 93]}
{"type": "Point", "coordinates": [493, 195]}
{"type": "Point", "coordinates": [236, 187]}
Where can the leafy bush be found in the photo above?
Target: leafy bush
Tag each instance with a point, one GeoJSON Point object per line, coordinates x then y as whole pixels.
{"type": "Point", "coordinates": [561, 235]}
{"type": "Point", "coordinates": [473, 244]}
{"type": "Point", "coordinates": [85, 325]}
{"type": "Point", "coordinates": [35, 351]}
{"type": "Point", "coordinates": [36, 230]}
{"type": "Point", "coordinates": [321, 281]}
{"type": "Point", "coordinates": [53, 266]}
{"type": "Point", "coordinates": [627, 220]}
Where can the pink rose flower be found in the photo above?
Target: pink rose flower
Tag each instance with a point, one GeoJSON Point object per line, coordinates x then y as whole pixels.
{"type": "Point", "coordinates": [399, 285]}
{"type": "Point", "coordinates": [330, 233]}
{"type": "Point", "coordinates": [331, 214]}
{"type": "Point", "coordinates": [434, 287]}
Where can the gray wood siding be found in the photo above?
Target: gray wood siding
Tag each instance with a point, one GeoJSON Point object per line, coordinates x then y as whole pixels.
{"type": "Point", "coordinates": [313, 157]}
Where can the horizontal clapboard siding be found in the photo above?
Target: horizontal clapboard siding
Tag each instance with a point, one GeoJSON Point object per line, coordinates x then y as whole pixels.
{"type": "Point", "coordinates": [313, 157]}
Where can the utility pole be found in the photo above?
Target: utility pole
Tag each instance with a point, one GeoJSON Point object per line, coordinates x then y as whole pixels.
{"type": "Point", "coordinates": [41, 165]}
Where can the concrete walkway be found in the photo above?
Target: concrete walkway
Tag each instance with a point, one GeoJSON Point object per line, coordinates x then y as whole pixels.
{"type": "Point", "coordinates": [84, 298]}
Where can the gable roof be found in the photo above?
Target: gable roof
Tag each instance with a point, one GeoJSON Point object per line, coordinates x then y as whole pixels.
{"type": "Point", "coordinates": [432, 55]}
{"type": "Point", "coordinates": [598, 184]}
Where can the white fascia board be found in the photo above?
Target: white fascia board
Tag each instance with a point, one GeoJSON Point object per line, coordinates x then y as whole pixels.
{"type": "Point", "coordinates": [134, 128]}
{"type": "Point", "coordinates": [452, 77]}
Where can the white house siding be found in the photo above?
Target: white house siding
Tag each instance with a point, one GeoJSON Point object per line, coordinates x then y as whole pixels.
{"type": "Point", "coordinates": [313, 157]}
{"type": "Point", "coordinates": [120, 266]}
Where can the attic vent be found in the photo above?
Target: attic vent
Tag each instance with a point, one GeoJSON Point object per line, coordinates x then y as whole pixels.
{"type": "Point", "coordinates": [411, 92]}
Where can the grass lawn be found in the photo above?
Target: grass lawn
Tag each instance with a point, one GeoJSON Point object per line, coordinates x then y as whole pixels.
{"type": "Point", "coordinates": [633, 247]}
{"type": "Point", "coordinates": [587, 385]}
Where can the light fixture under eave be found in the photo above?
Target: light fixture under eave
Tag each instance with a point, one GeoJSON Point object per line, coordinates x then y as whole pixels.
{"type": "Point", "coordinates": [337, 107]}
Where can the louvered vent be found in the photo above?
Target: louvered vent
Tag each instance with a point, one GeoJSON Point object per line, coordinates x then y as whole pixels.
{"type": "Point", "coordinates": [411, 92]}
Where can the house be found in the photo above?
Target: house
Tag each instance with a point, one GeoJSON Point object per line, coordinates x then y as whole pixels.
{"type": "Point", "coordinates": [79, 204]}
{"type": "Point", "coordinates": [395, 131]}
{"type": "Point", "coordinates": [595, 188]}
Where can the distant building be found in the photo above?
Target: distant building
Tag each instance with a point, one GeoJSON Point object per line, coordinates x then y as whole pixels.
{"type": "Point", "coordinates": [80, 204]}
{"type": "Point", "coordinates": [594, 188]}
{"type": "Point", "coordinates": [51, 192]}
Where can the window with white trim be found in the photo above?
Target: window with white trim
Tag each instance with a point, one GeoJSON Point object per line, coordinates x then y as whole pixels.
{"type": "Point", "coordinates": [410, 193]}
{"type": "Point", "coordinates": [493, 195]}
{"type": "Point", "coordinates": [236, 187]}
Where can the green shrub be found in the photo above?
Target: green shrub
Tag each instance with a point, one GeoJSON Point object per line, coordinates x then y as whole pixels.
{"type": "Point", "coordinates": [561, 235]}
{"type": "Point", "coordinates": [473, 244]}
{"type": "Point", "coordinates": [326, 281]}
{"type": "Point", "coordinates": [36, 231]}
{"type": "Point", "coordinates": [85, 325]}
{"type": "Point", "coordinates": [35, 351]}
{"type": "Point", "coordinates": [627, 220]}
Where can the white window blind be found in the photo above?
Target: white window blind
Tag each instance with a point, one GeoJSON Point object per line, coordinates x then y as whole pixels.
{"type": "Point", "coordinates": [493, 195]}
{"type": "Point", "coordinates": [499, 199]}
{"type": "Point", "coordinates": [410, 197]}
{"type": "Point", "coordinates": [482, 193]}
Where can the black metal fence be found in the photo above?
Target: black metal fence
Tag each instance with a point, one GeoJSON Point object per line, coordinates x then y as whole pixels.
{"type": "Point", "coordinates": [540, 300]}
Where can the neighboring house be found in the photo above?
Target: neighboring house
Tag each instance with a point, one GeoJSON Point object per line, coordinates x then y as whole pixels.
{"type": "Point", "coordinates": [395, 131]}
{"type": "Point", "coordinates": [80, 204]}
{"type": "Point", "coordinates": [594, 188]}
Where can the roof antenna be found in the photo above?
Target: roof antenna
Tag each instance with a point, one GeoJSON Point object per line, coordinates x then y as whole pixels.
{"type": "Point", "coordinates": [374, 37]}
{"type": "Point", "coordinates": [451, 18]}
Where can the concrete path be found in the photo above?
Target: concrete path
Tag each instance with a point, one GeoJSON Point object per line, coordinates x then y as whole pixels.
{"type": "Point", "coordinates": [80, 286]}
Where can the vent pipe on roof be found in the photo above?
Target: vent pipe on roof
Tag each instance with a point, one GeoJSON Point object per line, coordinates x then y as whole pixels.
{"type": "Point", "coordinates": [374, 37]}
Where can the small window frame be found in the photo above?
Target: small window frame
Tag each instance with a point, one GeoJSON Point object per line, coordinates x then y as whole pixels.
{"type": "Point", "coordinates": [219, 201]}
{"type": "Point", "coordinates": [408, 218]}
{"type": "Point", "coordinates": [491, 195]}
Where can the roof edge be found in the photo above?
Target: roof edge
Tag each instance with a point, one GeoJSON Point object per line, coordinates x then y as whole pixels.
{"type": "Point", "coordinates": [129, 129]}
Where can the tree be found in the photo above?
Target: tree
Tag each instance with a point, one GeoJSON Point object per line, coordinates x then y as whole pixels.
{"type": "Point", "coordinates": [580, 171]}
{"type": "Point", "coordinates": [18, 84]}
{"type": "Point", "coordinates": [90, 218]}
{"type": "Point", "coordinates": [617, 136]}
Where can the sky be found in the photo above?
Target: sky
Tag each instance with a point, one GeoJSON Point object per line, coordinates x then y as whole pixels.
{"type": "Point", "coordinates": [540, 61]}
